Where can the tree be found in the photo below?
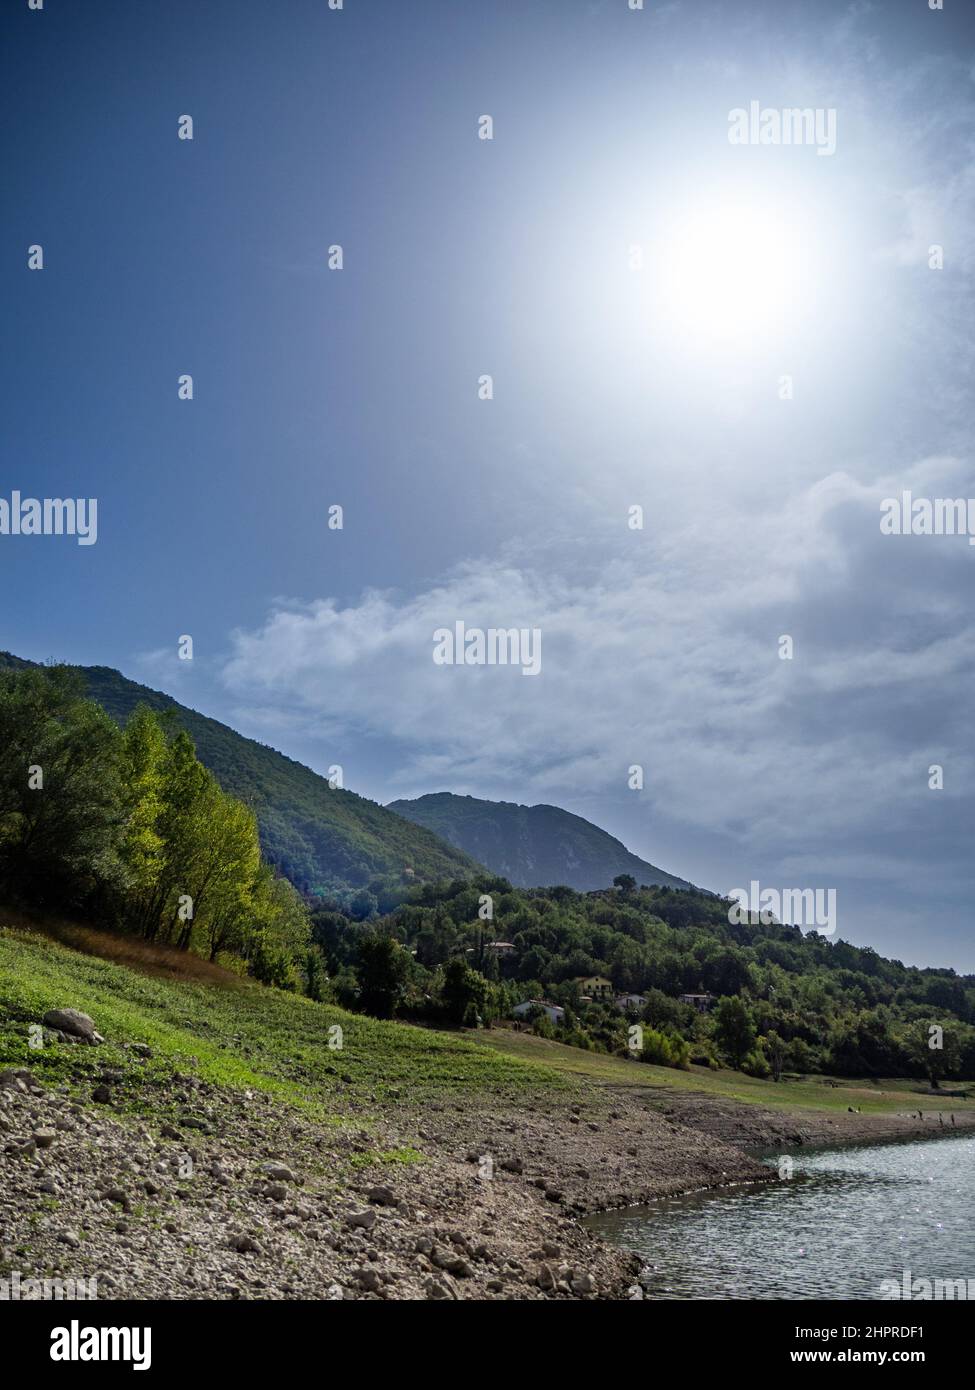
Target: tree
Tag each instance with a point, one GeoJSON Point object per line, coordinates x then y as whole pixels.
{"type": "Point", "coordinates": [462, 991]}
{"type": "Point", "coordinates": [626, 883]}
{"type": "Point", "coordinates": [141, 764]}
{"type": "Point", "coordinates": [933, 1049]}
{"type": "Point", "coordinates": [734, 1030]}
{"type": "Point", "coordinates": [775, 1051]}
{"type": "Point", "coordinates": [382, 968]}
{"type": "Point", "coordinates": [60, 810]}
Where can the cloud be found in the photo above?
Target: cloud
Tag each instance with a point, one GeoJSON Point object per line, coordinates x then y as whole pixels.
{"type": "Point", "coordinates": [664, 653]}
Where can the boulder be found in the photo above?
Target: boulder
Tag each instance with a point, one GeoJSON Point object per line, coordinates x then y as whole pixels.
{"type": "Point", "coordinates": [73, 1023]}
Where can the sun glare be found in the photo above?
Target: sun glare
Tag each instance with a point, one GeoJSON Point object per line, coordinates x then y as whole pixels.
{"type": "Point", "coordinates": [737, 273]}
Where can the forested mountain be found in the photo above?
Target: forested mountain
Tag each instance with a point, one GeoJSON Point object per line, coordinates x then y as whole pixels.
{"type": "Point", "coordinates": [107, 814]}
{"type": "Point", "coordinates": [328, 842]}
{"type": "Point", "coordinates": [532, 846]}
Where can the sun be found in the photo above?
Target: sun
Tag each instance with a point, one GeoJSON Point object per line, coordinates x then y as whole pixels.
{"type": "Point", "coordinates": [732, 273]}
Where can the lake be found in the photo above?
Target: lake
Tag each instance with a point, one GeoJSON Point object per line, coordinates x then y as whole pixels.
{"type": "Point", "coordinates": [847, 1220]}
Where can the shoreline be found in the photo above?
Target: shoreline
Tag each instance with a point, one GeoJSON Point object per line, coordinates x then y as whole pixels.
{"type": "Point", "coordinates": [415, 1199]}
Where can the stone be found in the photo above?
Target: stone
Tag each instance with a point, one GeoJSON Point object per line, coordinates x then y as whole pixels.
{"type": "Point", "coordinates": [244, 1245]}
{"type": "Point", "coordinates": [280, 1172]}
{"type": "Point", "coordinates": [382, 1197]}
{"type": "Point", "coordinates": [438, 1288]}
{"type": "Point", "coordinates": [74, 1023]}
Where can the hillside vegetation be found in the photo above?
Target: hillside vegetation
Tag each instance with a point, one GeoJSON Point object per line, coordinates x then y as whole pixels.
{"type": "Point", "coordinates": [234, 1033]}
{"type": "Point", "coordinates": [782, 1001]}
{"type": "Point", "coordinates": [327, 841]}
{"type": "Point", "coordinates": [531, 846]}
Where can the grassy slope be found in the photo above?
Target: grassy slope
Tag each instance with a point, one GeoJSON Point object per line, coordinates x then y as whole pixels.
{"type": "Point", "coordinates": [234, 1034]}
{"type": "Point", "coordinates": [319, 837]}
{"type": "Point", "coordinates": [812, 1093]}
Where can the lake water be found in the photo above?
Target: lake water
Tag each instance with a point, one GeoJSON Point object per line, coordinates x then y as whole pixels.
{"type": "Point", "coordinates": [846, 1221]}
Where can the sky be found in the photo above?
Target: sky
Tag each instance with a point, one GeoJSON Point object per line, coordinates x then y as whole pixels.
{"type": "Point", "coordinates": [748, 342]}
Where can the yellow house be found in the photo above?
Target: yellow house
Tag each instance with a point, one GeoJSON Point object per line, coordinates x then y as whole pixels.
{"type": "Point", "coordinates": [595, 986]}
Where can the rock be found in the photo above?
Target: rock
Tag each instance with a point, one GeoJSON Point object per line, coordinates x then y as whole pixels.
{"type": "Point", "coordinates": [545, 1279]}
{"type": "Point", "coordinates": [69, 1238]}
{"type": "Point", "coordinates": [276, 1191]}
{"type": "Point", "coordinates": [369, 1280]}
{"type": "Point", "coordinates": [15, 1078]}
{"type": "Point", "coordinates": [244, 1245]}
{"type": "Point", "coordinates": [382, 1197]}
{"type": "Point", "coordinates": [365, 1219]}
{"type": "Point", "coordinates": [582, 1284]}
{"type": "Point", "coordinates": [438, 1288]}
{"type": "Point", "coordinates": [74, 1023]}
{"type": "Point", "coordinates": [44, 1138]}
{"type": "Point", "coordinates": [279, 1171]}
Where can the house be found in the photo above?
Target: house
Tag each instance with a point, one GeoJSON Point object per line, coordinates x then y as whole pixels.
{"type": "Point", "coordinates": [501, 948]}
{"type": "Point", "coordinates": [553, 1012]}
{"type": "Point", "coordinates": [701, 1002]}
{"type": "Point", "coordinates": [594, 987]}
{"type": "Point", "coordinates": [631, 1001]}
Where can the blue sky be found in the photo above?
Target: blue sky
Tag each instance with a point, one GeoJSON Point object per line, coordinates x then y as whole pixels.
{"type": "Point", "coordinates": [512, 257]}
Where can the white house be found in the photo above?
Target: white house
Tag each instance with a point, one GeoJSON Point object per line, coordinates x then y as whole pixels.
{"type": "Point", "coordinates": [554, 1012]}
{"type": "Point", "coordinates": [631, 1001]}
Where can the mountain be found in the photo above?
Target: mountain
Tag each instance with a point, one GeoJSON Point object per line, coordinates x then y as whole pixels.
{"type": "Point", "coordinates": [532, 846]}
{"type": "Point", "coordinates": [325, 840]}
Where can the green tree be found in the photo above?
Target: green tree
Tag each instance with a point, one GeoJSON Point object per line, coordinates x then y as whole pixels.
{"type": "Point", "coordinates": [462, 991]}
{"type": "Point", "coordinates": [734, 1030]}
{"type": "Point", "coordinates": [60, 805]}
{"type": "Point", "coordinates": [141, 770]}
{"type": "Point", "coordinates": [383, 967]}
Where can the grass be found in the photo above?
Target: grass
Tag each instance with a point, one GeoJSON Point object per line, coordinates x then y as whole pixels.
{"type": "Point", "coordinates": [807, 1093]}
{"type": "Point", "coordinates": [199, 1019]}
{"type": "Point", "coordinates": [234, 1033]}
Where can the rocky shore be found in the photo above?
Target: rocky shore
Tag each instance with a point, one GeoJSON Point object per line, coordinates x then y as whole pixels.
{"type": "Point", "coordinates": [237, 1197]}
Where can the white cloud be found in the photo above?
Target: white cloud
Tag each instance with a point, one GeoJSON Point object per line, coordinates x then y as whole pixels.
{"type": "Point", "coordinates": [671, 663]}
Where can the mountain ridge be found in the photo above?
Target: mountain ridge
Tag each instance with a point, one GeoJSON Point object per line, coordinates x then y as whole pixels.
{"type": "Point", "coordinates": [527, 844]}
